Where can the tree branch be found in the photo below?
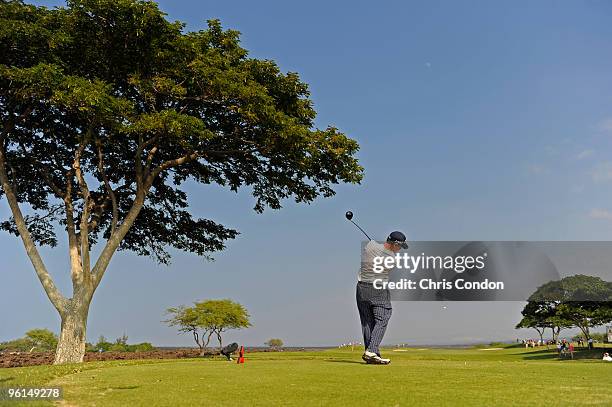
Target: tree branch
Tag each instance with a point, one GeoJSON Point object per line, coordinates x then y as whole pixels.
{"type": "Point", "coordinates": [84, 272]}
{"type": "Point", "coordinates": [56, 298]}
{"type": "Point", "coordinates": [169, 164]}
{"type": "Point", "coordinates": [113, 242]}
{"type": "Point", "coordinates": [73, 245]}
{"type": "Point", "coordinates": [150, 156]}
{"type": "Point", "coordinates": [109, 189]}
{"type": "Point", "coordinates": [115, 239]}
{"type": "Point", "coordinates": [138, 161]}
{"type": "Point", "coordinates": [142, 188]}
{"type": "Point", "coordinates": [47, 177]}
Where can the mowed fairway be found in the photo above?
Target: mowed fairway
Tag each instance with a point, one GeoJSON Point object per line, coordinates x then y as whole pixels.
{"type": "Point", "coordinates": [421, 377]}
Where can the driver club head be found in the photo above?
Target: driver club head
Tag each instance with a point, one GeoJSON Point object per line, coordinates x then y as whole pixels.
{"type": "Point", "coordinates": [349, 215]}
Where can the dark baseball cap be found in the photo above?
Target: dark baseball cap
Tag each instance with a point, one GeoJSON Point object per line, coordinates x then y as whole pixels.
{"type": "Point", "coordinates": [398, 238]}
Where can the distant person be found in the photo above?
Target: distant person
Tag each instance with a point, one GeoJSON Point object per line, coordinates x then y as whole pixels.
{"type": "Point", "coordinates": [590, 341]}
{"type": "Point", "coordinates": [571, 350]}
{"type": "Point", "coordinates": [607, 357]}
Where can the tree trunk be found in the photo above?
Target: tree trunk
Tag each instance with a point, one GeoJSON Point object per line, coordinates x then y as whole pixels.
{"type": "Point", "coordinates": [220, 341]}
{"type": "Point", "coordinates": [541, 333]}
{"type": "Point", "coordinates": [71, 344]}
{"type": "Point", "coordinates": [585, 331]}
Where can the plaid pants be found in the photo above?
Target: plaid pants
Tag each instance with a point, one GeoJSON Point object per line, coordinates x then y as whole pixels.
{"type": "Point", "coordinates": [374, 311]}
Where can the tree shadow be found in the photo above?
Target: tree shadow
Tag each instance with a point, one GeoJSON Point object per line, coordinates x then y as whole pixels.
{"type": "Point", "coordinates": [124, 387]}
{"type": "Point", "coordinates": [542, 355]}
{"type": "Point", "coordinates": [579, 354]}
{"type": "Point", "coordinates": [6, 379]}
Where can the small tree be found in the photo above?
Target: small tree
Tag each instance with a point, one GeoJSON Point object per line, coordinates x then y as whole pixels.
{"type": "Point", "coordinates": [224, 315]}
{"type": "Point", "coordinates": [43, 339]}
{"type": "Point", "coordinates": [17, 345]}
{"type": "Point", "coordinates": [209, 317]}
{"type": "Point", "coordinates": [120, 344]}
{"type": "Point", "coordinates": [188, 320]}
{"type": "Point", "coordinates": [122, 340]}
{"type": "Point", "coordinates": [39, 340]}
{"type": "Point", "coordinates": [274, 343]}
{"type": "Point", "coordinates": [102, 345]}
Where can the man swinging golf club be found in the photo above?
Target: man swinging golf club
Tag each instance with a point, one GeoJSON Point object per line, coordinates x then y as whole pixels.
{"type": "Point", "coordinates": [374, 304]}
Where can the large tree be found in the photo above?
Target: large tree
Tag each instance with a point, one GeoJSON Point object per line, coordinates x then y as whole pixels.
{"type": "Point", "coordinates": [540, 312]}
{"type": "Point", "coordinates": [188, 320]}
{"type": "Point", "coordinates": [535, 315]}
{"type": "Point", "coordinates": [108, 109]}
{"type": "Point", "coordinates": [581, 301]}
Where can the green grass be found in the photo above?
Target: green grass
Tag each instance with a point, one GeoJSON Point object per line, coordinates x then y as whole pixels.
{"type": "Point", "coordinates": [511, 376]}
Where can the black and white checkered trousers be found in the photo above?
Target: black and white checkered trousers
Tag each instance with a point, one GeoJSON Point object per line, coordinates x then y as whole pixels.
{"type": "Point", "coordinates": [374, 307]}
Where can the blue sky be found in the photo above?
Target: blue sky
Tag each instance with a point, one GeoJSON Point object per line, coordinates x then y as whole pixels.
{"type": "Point", "coordinates": [477, 121]}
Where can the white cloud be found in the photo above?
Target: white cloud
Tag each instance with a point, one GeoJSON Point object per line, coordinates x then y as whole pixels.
{"type": "Point", "coordinates": [600, 214]}
{"type": "Point", "coordinates": [584, 154]}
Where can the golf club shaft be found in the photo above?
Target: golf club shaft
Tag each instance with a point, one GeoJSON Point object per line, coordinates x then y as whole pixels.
{"type": "Point", "coordinates": [358, 227]}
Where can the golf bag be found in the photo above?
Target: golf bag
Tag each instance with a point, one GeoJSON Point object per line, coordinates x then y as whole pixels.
{"type": "Point", "coordinates": [229, 349]}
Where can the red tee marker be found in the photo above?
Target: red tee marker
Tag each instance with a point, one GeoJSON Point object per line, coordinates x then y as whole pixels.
{"type": "Point", "coordinates": [241, 355]}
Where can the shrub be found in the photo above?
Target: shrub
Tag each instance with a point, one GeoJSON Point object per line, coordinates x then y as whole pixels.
{"type": "Point", "coordinates": [274, 343]}
{"type": "Point", "coordinates": [35, 340]}
{"type": "Point", "coordinates": [140, 347]}
{"type": "Point", "coordinates": [102, 345]}
{"type": "Point", "coordinates": [43, 339]}
{"type": "Point", "coordinates": [121, 345]}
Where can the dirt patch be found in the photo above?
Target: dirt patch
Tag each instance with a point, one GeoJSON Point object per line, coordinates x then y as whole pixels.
{"type": "Point", "coordinates": [18, 359]}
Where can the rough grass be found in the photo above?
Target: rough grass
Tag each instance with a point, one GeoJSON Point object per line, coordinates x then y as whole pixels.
{"type": "Point", "coordinates": [416, 377]}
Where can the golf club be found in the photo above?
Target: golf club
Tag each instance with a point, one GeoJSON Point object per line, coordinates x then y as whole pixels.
{"type": "Point", "coordinates": [349, 217]}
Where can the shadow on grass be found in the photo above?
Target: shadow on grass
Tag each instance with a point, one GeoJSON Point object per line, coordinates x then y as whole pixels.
{"type": "Point", "coordinates": [579, 354]}
{"type": "Point", "coordinates": [344, 361]}
{"type": "Point", "coordinates": [6, 379]}
{"type": "Point", "coordinates": [124, 387]}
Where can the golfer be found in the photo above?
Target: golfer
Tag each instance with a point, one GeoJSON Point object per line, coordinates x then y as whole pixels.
{"type": "Point", "coordinates": [374, 304]}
